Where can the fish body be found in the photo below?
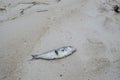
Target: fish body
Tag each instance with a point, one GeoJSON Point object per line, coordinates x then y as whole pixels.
{"type": "Point", "coordinates": [56, 53]}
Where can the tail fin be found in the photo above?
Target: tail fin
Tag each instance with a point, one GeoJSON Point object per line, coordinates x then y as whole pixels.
{"type": "Point", "coordinates": [34, 56]}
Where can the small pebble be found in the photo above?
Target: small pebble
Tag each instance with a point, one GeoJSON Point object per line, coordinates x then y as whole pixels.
{"type": "Point", "coordinates": [116, 8]}
{"type": "Point", "coordinates": [61, 75]}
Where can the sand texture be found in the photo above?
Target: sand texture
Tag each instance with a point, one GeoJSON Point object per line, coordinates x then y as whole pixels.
{"type": "Point", "coordinates": [36, 26]}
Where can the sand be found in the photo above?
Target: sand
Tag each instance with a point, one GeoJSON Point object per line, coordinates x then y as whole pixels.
{"type": "Point", "coordinates": [37, 26]}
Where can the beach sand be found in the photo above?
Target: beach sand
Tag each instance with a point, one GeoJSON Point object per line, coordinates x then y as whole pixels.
{"type": "Point", "coordinates": [36, 26]}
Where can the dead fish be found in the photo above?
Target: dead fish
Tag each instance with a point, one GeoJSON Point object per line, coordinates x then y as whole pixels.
{"type": "Point", "coordinates": [56, 53]}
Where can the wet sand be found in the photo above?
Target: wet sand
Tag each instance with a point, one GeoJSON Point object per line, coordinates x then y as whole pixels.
{"type": "Point", "coordinates": [37, 26]}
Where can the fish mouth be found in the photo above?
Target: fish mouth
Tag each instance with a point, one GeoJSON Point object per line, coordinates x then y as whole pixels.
{"type": "Point", "coordinates": [74, 50]}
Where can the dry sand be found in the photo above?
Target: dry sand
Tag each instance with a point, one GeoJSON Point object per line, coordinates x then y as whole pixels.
{"type": "Point", "coordinates": [32, 26]}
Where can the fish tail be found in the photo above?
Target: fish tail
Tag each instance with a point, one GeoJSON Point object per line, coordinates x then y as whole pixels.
{"type": "Point", "coordinates": [34, 56]}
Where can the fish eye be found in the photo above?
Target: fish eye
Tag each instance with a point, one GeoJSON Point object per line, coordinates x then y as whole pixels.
{"type": "Point", "coordinates": [70, 46]}
{"type": "Point", "coordinates": [62, 49]}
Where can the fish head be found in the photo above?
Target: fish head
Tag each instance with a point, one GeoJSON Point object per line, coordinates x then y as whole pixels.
{"type": "Point", "coordinates": [68, 49]}
{"type": "Point", "coordinates": [64, 51]}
